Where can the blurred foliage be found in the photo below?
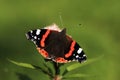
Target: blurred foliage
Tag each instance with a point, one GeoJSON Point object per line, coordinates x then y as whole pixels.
{"type": "Point", "coordinates": [58, 73]}
{"type": "Point", "coordinates": [98, 34]}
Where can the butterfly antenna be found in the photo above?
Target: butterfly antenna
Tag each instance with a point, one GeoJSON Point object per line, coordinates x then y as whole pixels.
{"type": "Point", "coordinates": [61, 21]}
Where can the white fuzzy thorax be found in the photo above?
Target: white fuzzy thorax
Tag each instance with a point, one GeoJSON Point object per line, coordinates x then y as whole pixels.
{"type": "Point", "coordinates": [53, 27]}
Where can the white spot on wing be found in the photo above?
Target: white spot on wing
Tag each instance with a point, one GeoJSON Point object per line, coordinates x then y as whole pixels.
{"type": "Point", "coordinates": [79, 50]}
{"type": "Point", "coordinates": [34, 42]}
{"type": "Point", "coordinates": [31, 31]}
{"type": "Point", "coordinates": [38, 31]}
{"type": "Point", "coordinates": [35, 37]}
{"type": "Point", "coordinates": [84, 55]}
{"type": "Point", "coordinates": [73, 54]}
{"type": "Point", "coordinates": [77, 56]}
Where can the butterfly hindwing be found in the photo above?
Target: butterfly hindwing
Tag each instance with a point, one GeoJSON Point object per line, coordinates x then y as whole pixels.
{"type": "Point", "coordinates": [77, 53]}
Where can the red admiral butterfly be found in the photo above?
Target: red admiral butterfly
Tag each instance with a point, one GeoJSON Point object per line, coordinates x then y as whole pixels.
{"type": "Point", "coordinates": [53, 44]}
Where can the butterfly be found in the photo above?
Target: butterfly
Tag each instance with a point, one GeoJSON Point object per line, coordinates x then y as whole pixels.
{"type": "Point", "coordinates": [54, 44]}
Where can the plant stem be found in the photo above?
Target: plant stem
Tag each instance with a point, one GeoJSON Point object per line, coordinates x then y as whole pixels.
{"type": "Point", "coordinates": [57, 77]}
{"type": "Point", "coordinates": [57, 71]}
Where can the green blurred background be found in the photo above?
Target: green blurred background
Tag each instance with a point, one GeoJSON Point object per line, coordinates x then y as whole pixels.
{"type": "Point", "coordinates": [98, 34]}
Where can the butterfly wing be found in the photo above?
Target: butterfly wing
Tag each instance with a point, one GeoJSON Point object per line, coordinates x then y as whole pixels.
{"type": "Point", "coordinates": [75, 53]}
{"type": "Point", "coordinates": [38, 37]}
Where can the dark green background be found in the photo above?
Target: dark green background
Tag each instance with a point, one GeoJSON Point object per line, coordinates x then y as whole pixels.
{"type": "Point", "coordinates": [98, 34]}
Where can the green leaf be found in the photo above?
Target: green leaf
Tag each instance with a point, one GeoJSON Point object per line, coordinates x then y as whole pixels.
{"type": "Point", "coordinates": [77, 65]}
{"type": "Point", "coordinates": [75, 75]}
{"type": "Point", "coordinates": [22, 64]}
{"type": "Point", "coordinates": [26, 65]}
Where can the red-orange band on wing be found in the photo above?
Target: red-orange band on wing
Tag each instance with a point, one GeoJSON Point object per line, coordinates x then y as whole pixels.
{"type": "Point", "coordinates": [71, 50]}
{"type": "Point", "coordinates": [60, 60]}
{"type": "Point", "coordinates": [43, 52]}
{"type": "Point", "coordinates": [42, 42]}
